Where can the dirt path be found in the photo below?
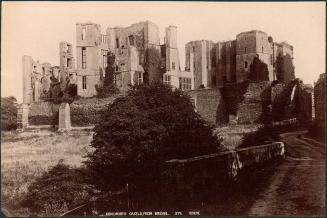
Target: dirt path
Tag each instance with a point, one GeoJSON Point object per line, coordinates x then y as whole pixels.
{"type": "Point", "coordinates": [298, 184]}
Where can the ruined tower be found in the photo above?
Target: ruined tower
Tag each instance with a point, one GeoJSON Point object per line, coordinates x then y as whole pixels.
{"type": "Point", "coordinates": [204, 69]}
{"type": "Point", "coordinates": [27, 79]}
{"type": "Point", "coordinates": [249, 45]}
{"type": "Point", "coordinates": [91, 55]}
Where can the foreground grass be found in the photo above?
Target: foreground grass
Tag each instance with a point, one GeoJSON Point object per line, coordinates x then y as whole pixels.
{"type": "Point", "coordinates": [25, 156]}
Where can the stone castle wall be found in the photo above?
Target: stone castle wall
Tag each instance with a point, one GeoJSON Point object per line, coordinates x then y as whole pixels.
{"type": "Point", "coordinates": [319, 101]}
{"type": "Point", "coordinates": [210, 105]}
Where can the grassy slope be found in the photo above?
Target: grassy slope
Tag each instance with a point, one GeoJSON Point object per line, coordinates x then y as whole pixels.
{"type": "Point", "coordinates": [24, 156]}
{"type": "Point", "coordinates": [232, 135]}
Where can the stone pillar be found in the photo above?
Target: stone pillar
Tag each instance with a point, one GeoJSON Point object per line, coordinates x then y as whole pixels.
{"type": "Point", "coordinates": [22, 116]}
{"type": "Point", "coordinates": [64, 117]}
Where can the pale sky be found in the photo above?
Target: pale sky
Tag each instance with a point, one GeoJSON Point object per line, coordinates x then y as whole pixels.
{"type": "Point", "coordinates": [36, 28]}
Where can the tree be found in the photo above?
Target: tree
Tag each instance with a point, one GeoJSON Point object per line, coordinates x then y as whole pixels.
{"type": "Point", "coordinates": [108, 87]}
{"type": "Point", "coordinates": [142, 130]}
{"type": "Point", "coordinates": [285, 71]}
{"type": "Point", "coordinates": [258, 70]}
{"type": "Point", "coordinates": [110, 70]}
{"type": "Point", "coordinates": [8, 113]}
{"type": "Point", "coordinates": [152, 69]}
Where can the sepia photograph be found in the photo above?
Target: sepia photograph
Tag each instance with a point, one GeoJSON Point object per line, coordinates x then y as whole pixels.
{"type": "Point", "coordinates": [163, 108]}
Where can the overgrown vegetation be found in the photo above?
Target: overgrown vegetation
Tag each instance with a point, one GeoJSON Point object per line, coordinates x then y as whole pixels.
{"type": "Point", "coordinates": [153, 72]}
{"type": "Point", "coordinates": [58, 190]}
{"type": "Point", "coordinates": [142, 130]}
{"type": "Point", "coordinates": [285, 68]}
{"type": "Point", "coordinates": [108, 88]}
{"type": "Point", "coordinates": [8, 113]}
{"type": "Point", "coordinates": [26, 156]}
{"type": "Point", "coordinates": [258, 70]}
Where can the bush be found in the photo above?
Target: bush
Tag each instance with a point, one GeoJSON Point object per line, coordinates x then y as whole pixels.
{"type": "Point", "coordinates": [58, 190]}
{"type": "Point", "coordinates": [40, 120]}
{"type": "Point", "coordinates": [142, 130]}
{"type": "Point", "coordinates": [106, 91]}
{"type": "Point", "coordinates": [8, 113]}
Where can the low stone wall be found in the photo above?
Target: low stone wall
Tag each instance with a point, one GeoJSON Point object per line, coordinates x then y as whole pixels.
{"type": "Point", "coordinates": [187, 175]}
{"type": "Point", "coordinates": [40, 113]}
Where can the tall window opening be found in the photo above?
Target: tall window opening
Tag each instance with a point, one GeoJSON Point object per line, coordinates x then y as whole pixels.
{"type": "Point", "coordinates": [84, 82]}
{"type": "Point", "coordinates": [173, 65]}
{"type": "Point", "coordinates": [117, 43]}
{"type": "Point", "coordinates": [131, 40]}
{"type": "Point", "coordinates": [83, 58]}
{"type": "Point", "coordinates": [245, 64]}
{"type": "Point", "coordinates": [104, 59]}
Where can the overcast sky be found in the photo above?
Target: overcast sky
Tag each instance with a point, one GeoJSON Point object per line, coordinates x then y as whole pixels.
{"type": "Point", "coordinates": [36, 28]}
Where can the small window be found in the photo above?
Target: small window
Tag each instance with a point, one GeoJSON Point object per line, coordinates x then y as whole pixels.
{"type": "Point", "coordinates": [140, 78]}
{"type": "Point", "coordinates": [84, 82]}
{"type": "Point", "coordinates": [68, 62]}
{"type": "Point", "coordinates": [245, 64]}
{"type": "Point", "coordinates": [131, 40]}
{"type": "Point", "coordinates": [167, 79]}
{"type": "Point", "coordinates": [271, 60]}
{"type": "Point", "coordinates": [83, 33]}
{"type": "Point", "coordinates": [262, 49]}
{"type": "Point", "coordinates": [117, 68]}
{"type": "Point", "coordinates": [117, 43]}
{"type": "Point", "coordinates": [245, 50]}
{"type": "Point", "coordinates": [173, 65]}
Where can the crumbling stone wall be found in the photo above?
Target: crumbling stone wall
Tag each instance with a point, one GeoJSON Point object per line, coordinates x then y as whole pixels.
{"type": "Point", "coordinates": [319, 101]}
{"type": "Point", "coordinates": [40, 113]}
{"type": "Point", "coordinates": [302, 107]}
{"type": "Point", "coordinates": [250, 109]}
{"type": "Point", "coordinates": [210, 105]}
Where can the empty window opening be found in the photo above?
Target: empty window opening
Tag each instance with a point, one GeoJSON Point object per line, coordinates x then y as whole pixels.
{"type": "Point", "coordinates": [245, 64]}
{"type": "Point", "coordinates": [84, 82]}
{"type": "Point", "coordinates": [117, 43]}
{"type": "Point", "coordinates": [83, 58]}
{"type": "Point", "coordinates": [131, 40]}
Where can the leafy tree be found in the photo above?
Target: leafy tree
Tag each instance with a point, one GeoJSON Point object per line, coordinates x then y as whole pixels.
{"type": "Point", "coordinates": [142, 130]}
{"type": "Point", "coordinates": [258, 70]}
{"type": "Point", "coordinates": [110, 70]}
{"type": "Point", "coordinates": [8, 113]}
{"type": "Point", "coordinates": [108, 87]}
{"type": "Point", "coordinates": [284, 68]}
{"type": "Point", "coordinates": [153, 73]}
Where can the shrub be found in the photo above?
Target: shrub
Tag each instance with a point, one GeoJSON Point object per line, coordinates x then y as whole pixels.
{"type": "Point", "coordinates": [142, 130]}
{"type": "Point", "coordinates": [106, 91]}
{"type": "Point", "coordinates": [40, 120]}
{"type": "Point", "coordinates": [8, 113]}
{"type": "Point", "coordinates": [58, 190]}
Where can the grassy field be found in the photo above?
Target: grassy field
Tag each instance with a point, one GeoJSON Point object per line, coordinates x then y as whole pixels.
{"type": "Point", "coordinates": [24, 156]}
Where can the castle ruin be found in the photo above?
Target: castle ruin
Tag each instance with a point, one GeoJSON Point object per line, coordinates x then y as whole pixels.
{"type": "Point", "coordinates": [208, 64]}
